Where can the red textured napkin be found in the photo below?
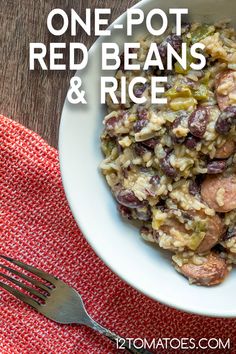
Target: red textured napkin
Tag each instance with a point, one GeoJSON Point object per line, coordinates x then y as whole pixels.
{"type": "Point", "coordinates": [37, 227]}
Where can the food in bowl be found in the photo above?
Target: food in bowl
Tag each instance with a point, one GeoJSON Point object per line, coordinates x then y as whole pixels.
{"type": "Point", "coordinates": [172, 167]}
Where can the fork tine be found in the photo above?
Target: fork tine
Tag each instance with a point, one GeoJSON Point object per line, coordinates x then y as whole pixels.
{"type": "Point", "coordinates": [23, 286]}
{"type": "Point", "coordinates": [27, 278]}
{"type": "Point", "coordinates": [20, 296]}
{"type": "Point", "coordinates": [48, 277]}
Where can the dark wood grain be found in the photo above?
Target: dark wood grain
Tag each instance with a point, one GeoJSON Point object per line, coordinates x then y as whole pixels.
{"type": "Point", "coordinates": [35, 98]}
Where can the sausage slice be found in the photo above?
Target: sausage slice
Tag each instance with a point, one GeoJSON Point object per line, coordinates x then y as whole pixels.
{"type": "Point", "coordinates": [226, 150]}
{"type": "Point", "coordinates": [211, 272]}
{"type": "Point", "coordinates": [225, 85]}
{"type": "Point", "coordinates": [215, 229]}
{"type": "Point", "coordinates": [219, 192]}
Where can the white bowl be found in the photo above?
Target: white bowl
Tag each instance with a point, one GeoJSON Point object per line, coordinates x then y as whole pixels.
{"type": "Point", "coordinates": [116, 242]}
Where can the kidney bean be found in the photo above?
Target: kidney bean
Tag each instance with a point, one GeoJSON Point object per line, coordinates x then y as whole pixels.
{"type": "Point", "coordinates": [194, 188]}
{"type": "Point", "coordinates": [215, 167]}
{"type": "Point", "coordinates": [125, 212]}
{"type": "Point", "coordinates": [142, 113]}
{"type": "Point", "coordinates": [226, 119]}
{"type": "Point", "coordinates": [175, 124]}
{"type": "Point", "coordinates": [127, 198]}
{"type": "Point", "coordinates": [175, 41]}
{"type": "Point", "coordinates": [155, 180]}
{"type": "Point", "coordinates": [138, 92]}
{"type": "Point", "coordinates": [112, 122]}
{"type": "Point", "coordinates": [140, 149]}
{"type": "Point", "coordinates": [167, 168]}
{"type": "Point", "coordinates": [162, 48]}
{"type": "Point", "coordinates": [143, 215]}
{"type": "Point", "coordinates": [191, 142]}
{"type": "Point", "coordinates": [197, 122]}
{"type": "Point", "coordinates": [139, 125]}
{"type": "Point", "coordinates": [151, 143]}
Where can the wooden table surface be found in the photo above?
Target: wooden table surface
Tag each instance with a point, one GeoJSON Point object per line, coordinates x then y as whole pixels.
{"type": "Point", "coordinates": [35, 98]}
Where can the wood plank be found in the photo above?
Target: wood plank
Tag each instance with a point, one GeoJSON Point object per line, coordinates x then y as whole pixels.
{"type": "Point", "coordinates": [35, 98]}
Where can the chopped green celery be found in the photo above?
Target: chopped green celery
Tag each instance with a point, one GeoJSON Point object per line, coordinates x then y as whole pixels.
{"type": "Point", "coordinates": [201, 93]}
{"type": "Point", "coordinates": [198, 235]}
{"type": "Point", "coordinates": [206, 78]}
{"type": "Point", "coordinates": [107, 147]}
{"type": "Point", "coordinates": [182, 103]}
{"type": "Point", "coordinates": [180, 70]}
{"type": "Point", "coordinates": [179, 91]}
{"type": "Point", "coordinates": [132, 118]}
{"type": "Point", "coordinates": [132, 138]}
{"type": "Point", "coordinates": [195, 241]}
{"type": "Point", "coordinates": [202, 32]}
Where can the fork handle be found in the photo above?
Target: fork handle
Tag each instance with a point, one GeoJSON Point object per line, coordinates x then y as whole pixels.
{"type": "Point", "coordinates": [115, 338]}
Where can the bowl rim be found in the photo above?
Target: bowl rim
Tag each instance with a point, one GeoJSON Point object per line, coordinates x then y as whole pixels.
{"type": "Point", "coordinates": [84, 228]}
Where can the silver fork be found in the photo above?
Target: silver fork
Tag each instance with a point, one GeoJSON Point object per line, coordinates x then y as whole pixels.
{"type": "Point", "coordinates": [56, 301]}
